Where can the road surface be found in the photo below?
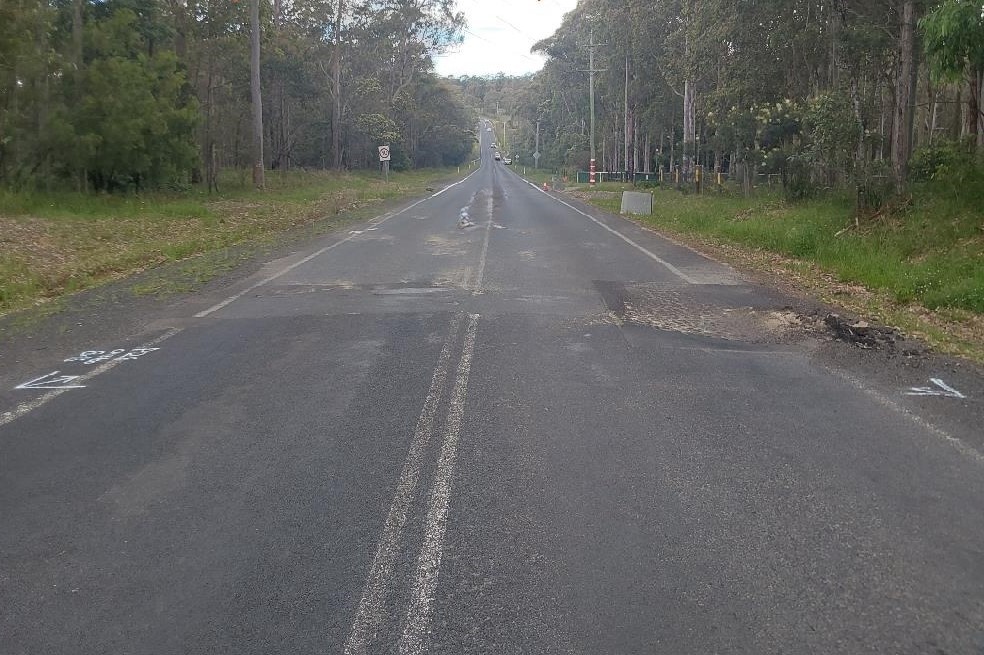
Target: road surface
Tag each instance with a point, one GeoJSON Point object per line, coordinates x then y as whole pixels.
{"type": "Point", "coordinates": [489, 421]}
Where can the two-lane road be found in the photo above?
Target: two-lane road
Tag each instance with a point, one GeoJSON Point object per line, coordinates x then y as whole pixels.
{"type": "Point", "coordinates": [490, 422]}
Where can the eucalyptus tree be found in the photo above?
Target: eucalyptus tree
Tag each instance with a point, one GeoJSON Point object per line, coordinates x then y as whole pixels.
{"type": "Point", "coordinates": [953, 38]}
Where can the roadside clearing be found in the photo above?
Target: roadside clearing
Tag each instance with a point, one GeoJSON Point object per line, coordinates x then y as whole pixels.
{"type": "Point", "coordinates": [55, 244]}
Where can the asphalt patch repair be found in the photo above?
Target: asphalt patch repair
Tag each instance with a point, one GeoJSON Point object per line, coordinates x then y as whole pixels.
{"type": "Point", "coordinates": [700, 311]}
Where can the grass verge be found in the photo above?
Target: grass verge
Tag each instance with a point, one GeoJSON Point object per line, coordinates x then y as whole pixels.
{"type": "Point", "coordinates": [54, 244]}
{"type": "Point", "coordinates": [919, 266]}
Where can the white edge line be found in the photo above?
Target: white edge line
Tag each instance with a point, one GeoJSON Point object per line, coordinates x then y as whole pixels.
{"type": "Point", "coordinates": [29, 406]}
{"type": "Point", "coordinates": [417, 626]}
{"type": "Point", "coordinates": [670, 267]}
{"type": "Point", "coordinates": [378, 581]}
{"type": "Point", "coordinates": [287, 269]}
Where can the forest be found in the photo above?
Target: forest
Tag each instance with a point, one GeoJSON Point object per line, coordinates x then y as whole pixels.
{"type": "Point", "coordinates": [133, 95]}
{"type": "Point", "coordinates": [819, 93]}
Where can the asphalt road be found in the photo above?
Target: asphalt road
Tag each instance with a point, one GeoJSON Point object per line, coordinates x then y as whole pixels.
{"type": "Point", "coordinates": [537, 430]}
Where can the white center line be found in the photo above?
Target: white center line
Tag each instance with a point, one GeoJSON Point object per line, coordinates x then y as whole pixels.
{"type": "Point", "coordinates": [287, 269]}
{"type": "Point", "coordinates": [378, 583]}
{"type": "Point", "coordinates": [670, 267]}
{"type": "Point", "coordinates": [24, 408]}
{"type": "Point", "coordinates": [418, 620]}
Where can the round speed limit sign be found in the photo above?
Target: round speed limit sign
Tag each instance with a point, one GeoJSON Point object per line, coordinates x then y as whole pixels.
{"type": "Point", "coordinates": [384, 153]}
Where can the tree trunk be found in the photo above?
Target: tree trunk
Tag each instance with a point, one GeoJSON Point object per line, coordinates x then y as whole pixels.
{"type": "Point", "coordinates": [646, 156]}
{"type": "Point", "coordinates": [77, 34]}
{"type": "Point", "coordinates": [81, 181]}
{"type": "Point", "coordinates": [905, 95]}
{"type": "Point", "coordinates": [336, 87]}
{"type": "Point", "coordinates": [257, 98]}
{"type": "Point", "coordinates": [980, 109]}
{"type": "Point", "coordinates": [625, 107]}
{"type": "Point", "coordinates": [689, 130]}
{"type": "Point", "coordinates": [859, 152]}
{"type": "Point", "coordinates": [974, 127]}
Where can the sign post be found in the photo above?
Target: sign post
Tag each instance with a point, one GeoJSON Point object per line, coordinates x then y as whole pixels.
{"type": "Point", "coordinates": [384, 158]}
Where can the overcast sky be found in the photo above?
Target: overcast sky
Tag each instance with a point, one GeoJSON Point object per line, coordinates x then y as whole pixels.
{"type": "Point", "coordinates": [500, 34]}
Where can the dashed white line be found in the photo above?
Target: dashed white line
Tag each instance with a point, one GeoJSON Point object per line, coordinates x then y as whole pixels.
{"type": "Point", "coordinates": [417, 625]}
{"type": "Point", "coordinates": [670, 267]}
{"type": "Point", "coordinates": [380, 573]}
{"type": "Point", "coordinates": [26, 407]}
{"type": "Point", "coordinates": [287, 269]}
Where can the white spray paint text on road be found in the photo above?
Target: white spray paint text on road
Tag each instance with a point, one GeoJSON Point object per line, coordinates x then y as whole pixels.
{"type": "Point", "coordinates": [941, 388]}
{"type": "Point", "coordinates": [52, 381]}
{"type": "Point", "coordinates": [24, 408]}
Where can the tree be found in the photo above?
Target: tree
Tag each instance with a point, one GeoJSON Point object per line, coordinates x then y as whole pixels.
{"type": "Point", "coordinates": [953, 37]}
{"type": "Point", "coordinates": [905, 95]}
{"type": "Point", "coordinates": [256, 93]}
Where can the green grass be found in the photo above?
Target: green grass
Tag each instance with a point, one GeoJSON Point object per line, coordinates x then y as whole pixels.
{"type": "Point", "coordinates": [930, 251]}
{"type": "Point", "coordinates": [56, 243]}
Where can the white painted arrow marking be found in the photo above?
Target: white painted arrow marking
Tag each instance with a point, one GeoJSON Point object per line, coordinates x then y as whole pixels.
{"type": "Point", "coordinates": [49, 381]}
{"type": "Point", "coordinates": [941, 389]}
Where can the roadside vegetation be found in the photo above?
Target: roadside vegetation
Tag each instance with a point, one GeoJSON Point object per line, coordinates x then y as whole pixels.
{"type": "Point", "coordinates": [926, 249]}
{"type": "Point", "coordinates": [57, 243]}
{"type": "Point", "coordinates": [134, 133]}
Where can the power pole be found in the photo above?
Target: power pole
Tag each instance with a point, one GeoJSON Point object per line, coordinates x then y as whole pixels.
{"type": "Point", "coordinates": [591, 100]}
{"type": "Point", "coordinates": [536, 150]}
{"type": "Point", "coordinates": [254, 84]}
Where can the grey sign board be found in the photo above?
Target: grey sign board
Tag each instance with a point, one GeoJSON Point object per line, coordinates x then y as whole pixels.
{"type": "Point", "coordinates": [636, 202]}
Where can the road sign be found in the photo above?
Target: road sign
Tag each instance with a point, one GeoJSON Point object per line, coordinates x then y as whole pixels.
{"type": "Point", "coordinates": [536, 155]}
{"type": "Point", "coordinates": [384, 153]}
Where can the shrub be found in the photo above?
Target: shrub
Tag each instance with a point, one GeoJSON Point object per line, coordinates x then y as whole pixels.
{"type": "Point", "coordinates": [950, 159]}
{"type": "Point", "coordinates": [875, 186]}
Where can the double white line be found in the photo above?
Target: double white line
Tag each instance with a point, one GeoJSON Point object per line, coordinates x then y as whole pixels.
{"type": "Point", "coordinates": [418, 618]}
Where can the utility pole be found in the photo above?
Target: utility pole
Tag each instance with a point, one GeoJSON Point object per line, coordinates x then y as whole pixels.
{"type": "Point", "coordinates": [591, 100]}
{"type": "Point", "coordinates": [536, 150]}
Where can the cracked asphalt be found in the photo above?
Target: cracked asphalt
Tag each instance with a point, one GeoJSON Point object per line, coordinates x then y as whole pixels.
{"type": "Point", "coordinates": [542, 429]}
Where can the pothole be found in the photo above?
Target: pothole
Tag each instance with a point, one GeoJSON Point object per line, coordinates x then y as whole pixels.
{"type": "Point", "coordinates": [688, 311]}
